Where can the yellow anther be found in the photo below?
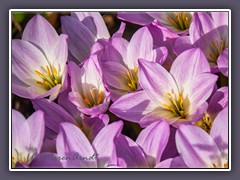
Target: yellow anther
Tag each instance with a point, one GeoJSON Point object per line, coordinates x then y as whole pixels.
{"type": "Point", "coordinates": [84, 96]}
{"type": "Point", "coordinates": [224, 165]}
{"type": "Point", "coordinates": [183, 15]}
{"type": "Point", "coordinates": [39, 82]}
{"type": "Point", "coordinates": [223, 45]}
{"type": "Point", "coordinates": [169, 94]}
{"type": "Point", "coordinates": [212, 56]}
{"type": "Point", "coordinates": [92, 93]}
{"type": "Point", "coordinates": [56, 81]}
{"type": "Point", "coordinates": [99, 98]}
{"type": "Point", "coordinates": [187, 22]}
{"type": "Point", "coordinates": [168, 107]}
{"type": "Point", "coordinates": [172, 21]}
{"type": "Point", "coordinates": [54, 71]}
{"type": "Point", "coordinates": [48, 70]}
{"type": "Point", "coordinates": [47, 84]}
{"type": "Point", "coordinates": [87, 102]}
{"type": "Point", "coordinates": [214, 165]}
{"type": "Point", "coordinates": [38, 73]}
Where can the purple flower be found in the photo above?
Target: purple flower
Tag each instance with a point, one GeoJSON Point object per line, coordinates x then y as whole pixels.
{"type": "Point", "coordinates": [120, 61]}
{"type": "Point", "coordinates": [179, 96]}
{"type": "Point", "coordinates": [87, 33]}
{"type": "Point", "coordinates": [177, 22]}
{"type": "Point", "coordinates": [217, 103]}
{"type": "Point", "coordinates": [201, 150]}
{"type": "Point", "coordinates": [27, 136]}
{"type": "Point", "coordinates": [39, 61]}
{"type": "Point", "coordinates": [78, 152]}
{"type": "Point", "coordinates": [88, 91]}
{"type": "Point", "coordinates": [209, 32]}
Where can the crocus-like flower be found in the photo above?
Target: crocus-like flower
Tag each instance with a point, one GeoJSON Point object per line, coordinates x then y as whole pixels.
{"type": "Point", "coordinates": [27, 136]}
{"type": "Point", "coordinates": [88, 91]}
{"type": "Point", "coordinates": [201, 150]}
{"type": "Point", "coordinates": [209, 32]}
{"type": "Point", "coordinates": [120, 61]}
{"type": "Point", "coordinates": [177, 22]}
{"type": "Point", "coordinates": [87, 33]}
{"type": "Point", "coordinates": [217, 103]}
{"type": "Point", "coordinates": [179, 96]}
{"type": "Point", "coordinates": [78, 152]}
{"type": "Point", "coordinates": [39, 61]}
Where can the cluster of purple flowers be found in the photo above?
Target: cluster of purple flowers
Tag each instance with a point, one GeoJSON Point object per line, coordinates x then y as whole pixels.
{"type": "Point", "coordinates": [166, 79]}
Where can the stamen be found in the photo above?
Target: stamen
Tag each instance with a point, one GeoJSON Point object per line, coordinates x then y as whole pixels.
{"type": "Point", "coordinates": [47, 84]}
{"type": "Point", "coordinates": [214, 165]}
{"type": "Point", "coordinates": [38, 73]}
{"type": "Point", "coordinates": [39, 82]}
{"type": "Point", "coordinates": [99, 98]}
{"type": "Point", "coordinates": [48, 70]}
{"type": "Point", "coordinates": [55, 81]}
{"type": "Point", "coordinates": [224, 165]}
{"type": "Point", "coordinates": [223, 44]}
{"type": "Point", "coordinates": [215, 46]}
{"type": "Point", "coordinates": [54, 71]}
{"type": "Point", "coordinates": [87, 102]}
{"type": "Point", "coordinates": [172, 21]}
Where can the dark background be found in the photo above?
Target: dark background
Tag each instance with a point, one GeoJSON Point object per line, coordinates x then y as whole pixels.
{"type": "Point", "coordinates": [156, 4]}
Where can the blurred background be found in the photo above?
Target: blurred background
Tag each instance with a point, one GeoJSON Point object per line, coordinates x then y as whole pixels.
{"type": "Point", "coordinates": [19, 21]}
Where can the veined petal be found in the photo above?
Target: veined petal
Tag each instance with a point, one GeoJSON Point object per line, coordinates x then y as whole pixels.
{"type": "Point", "coordinates": [189, 64]}
{"type": "Point", "coordinates": [26, 58]}
{"type": "Point", "coordinates": [223, 62]}
{"type": "Point", "coordinates": [94, 22]}
{"type": "Point", "coordinates": [130, 153]}
{"type": "Point", "coordinates": [54, 114]}
{"type": "Point", "coordinates": [176, 162]}
{"type": "Point", "coordinates": [73, 144]}
{"type": "Point", "coordinates": [182, 44]}
{"type": "Point", "coordinates": [219, 131]}
{"type": "Point", "coordinates": [156, 88]}
{"type": "Point", "coordinates": [41, 33]}
{"type": "Point", "coordinates": [60, 53]}
{"type": "Point", "coordinates": [218, 101]}
{"type": "Point", "coordinates": [80, 38]}
{"type": "Point", "coordinates": [46, 160]}
{"type": "Point", "coordinates": [160, 55]}
{"type": "Point", "coordinates": [140, 18]}
{"type": "Point", "coordinates": [201, 88]}
{"type": "Point", "coordinates": [202, 24]}
{"type": "Point", "coordinates": [120, 31]}
{"type": "Point", "coordinates": [197, 148]}
{"type": "Point", "coordinates": [37, 127]}
{"type": "Point", "coordinates": [20, 132]}
{"type": "Point", "coordinates": [153, 140]}
{"type": "Point", "coordinates": [133, 106]}
{"type": "Point", "coordinates": [220, 18]}
{"type": "Point", "coordinates": [104, 145]}
{"type": "Point", "coordinates": [116, 51]}
{"type": "Point", "coordinates": [140, 46]}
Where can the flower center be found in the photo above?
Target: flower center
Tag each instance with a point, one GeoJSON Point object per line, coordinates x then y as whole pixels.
{"type": "Point", "coordinates": [205, 123]}
{"type": "Point", "coordinates": [175, 105]}
{"type": "Point", "coordinates": [132, 79]}
{"type": "Point", "coordinates": [179, 20]}
{"type": "Point", "coordinates": [216, 48]}
{"type": "Point", "coordinates": [94, 97]}
{"type": "Point", "coordinates": [224, 165]}
{"type": "Point", "coordinates": [50, 77]}
{"type": "Point", "coordinates": [22, 158]}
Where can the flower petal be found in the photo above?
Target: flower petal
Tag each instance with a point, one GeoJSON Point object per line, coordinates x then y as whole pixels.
{"type": "Point", "coordinates": [94, 22]}
{"type": "Point", "coordinates": [133, 106]}
{"type": "Point", "coordinates": [187, 65]}
{"type": "Point", "coordinates": [140, 46]}
{"type": "Point", "coordinates": [176, 162]}
{"type": "Point", "coordinates": [202, 24]}
{"type": "Point", "coordinates": [80, 38]}
{"type": "Point", "coordinates": [104, 145]}
{"type": "Point", "coordinates": [37, 128]}
{"type": "Point", "coordinates": [54, 114]}
{"type": "Point", "coordinates": [46, 160]}
{"type": "Point", "coordinates": [196, 147]}
{"type": "Point", "coordinates": [220, 18]}
{"type": "Point", "coordinates": [223, 62]}
{"type": "Point", "coordinates": [182, 43]}
{"type": "Point", "coordinates": [219, 131]}
{"type": "Point", "coordinates": [130, 153]}
{"type": "Point", "coordinates": [156, 88]}
{"type": "Point", "coordinates": [72, 144]}
{"type": "Point", "coordinates": [153, 140]}
{"type": "Point", "coordinates": [41, 33]}
{"type": "Point", "coordinates": [140, 18]}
